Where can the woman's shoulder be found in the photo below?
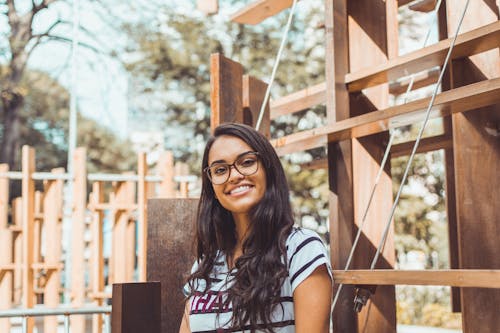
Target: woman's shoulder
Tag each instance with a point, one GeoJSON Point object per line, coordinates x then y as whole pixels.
{"type": "Point", "coordinates": [300, 237]}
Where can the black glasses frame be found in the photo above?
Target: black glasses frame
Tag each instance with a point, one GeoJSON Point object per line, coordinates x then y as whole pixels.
{"type": "Point", "coordinates": [230, 166]}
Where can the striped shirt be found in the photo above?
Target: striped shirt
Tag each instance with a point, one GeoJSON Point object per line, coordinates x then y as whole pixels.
{"type": "Point", "coordinates": [305, 252]}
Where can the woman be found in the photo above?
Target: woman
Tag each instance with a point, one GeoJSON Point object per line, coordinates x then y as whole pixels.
{"type": "Point", "coordinates": [254, 271]}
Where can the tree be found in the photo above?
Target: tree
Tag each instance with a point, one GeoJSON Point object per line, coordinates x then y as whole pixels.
{"type": "Point", "coordinates": [22, 39]}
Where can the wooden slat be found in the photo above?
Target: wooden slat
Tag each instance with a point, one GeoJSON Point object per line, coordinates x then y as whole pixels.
{"type": "Point", "coordinates": [28, 205]}
{"type": "Point", "coordinates": [426, 144]}
{"type": "Point", "coordinates": [258, 11]}
{"type": "Point", "coordinates": [456, 278]}
{"type": "Point", "coordinates": [420, 80]}
{"type": "Point", "coordinates": [254, 91]}
{"type": "Point", "coordinates": [469, 43]}
{"type": "Point", "coordinates": [424, 6]}
{"type": "Point", "coordinates": [142, 222]}
{"type": "Point", "coordinates": [456, 100]}
{"type": "Point", "coordinates": [116, 206]}
{"type": "Point", "coordinates": [208, 7]}
{"type": "Point", "coordinates": [298, 101]}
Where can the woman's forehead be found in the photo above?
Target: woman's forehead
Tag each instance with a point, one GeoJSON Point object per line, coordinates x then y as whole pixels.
{"type": "Point", "coordinates": [227, 148]}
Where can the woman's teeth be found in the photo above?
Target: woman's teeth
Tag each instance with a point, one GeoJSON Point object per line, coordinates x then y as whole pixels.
{"type": "Point", "coordinates": [240, 189]}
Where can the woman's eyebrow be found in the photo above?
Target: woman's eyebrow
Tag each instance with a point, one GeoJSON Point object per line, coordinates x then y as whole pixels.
{"type": "Point", "coordinates": [224, 161]}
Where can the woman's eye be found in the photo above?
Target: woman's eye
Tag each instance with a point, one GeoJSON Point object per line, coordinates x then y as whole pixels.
{"type": "Point", "coordinates": [220, 170]}
{"type": "Point", "coordinates": [248, 162]}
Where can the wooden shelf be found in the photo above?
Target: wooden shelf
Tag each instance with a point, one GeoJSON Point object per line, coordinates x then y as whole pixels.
{"type": "Point", "coordinates": [258, 11]}
{"type": "Point", "coordinates": [424, 6]}
{"type": "Point", "coordinates": [420, 80]}
{"type": "Point", "coordinates": [461, 99]}
{"type": "Point", "coordinates": [469, 43]}
{"type": "Point", "coordinates": [298, 101]}
{"type": "Point", "coordinates": [455, 277]}
{"type": "Point", "coordinates": [49, 267]}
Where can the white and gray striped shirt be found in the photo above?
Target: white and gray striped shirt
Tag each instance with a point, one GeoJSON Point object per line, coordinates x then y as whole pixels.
{"type": "Point", "coordinates": [305, 252]}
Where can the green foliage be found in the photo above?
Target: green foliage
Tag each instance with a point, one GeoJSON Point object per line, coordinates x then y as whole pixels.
{"type": "Point", "coordinates": [44, 126]}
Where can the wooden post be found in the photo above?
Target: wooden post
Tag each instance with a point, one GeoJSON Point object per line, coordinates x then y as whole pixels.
{"type": "Point", "coordinates": [136, 308]}
{"type": "Point", "coordinates": [208, 7]}
{"type": "Point", "coordinates": [226, 79]}
{"type": "Point", "coordinates": [17, 217]}
{"type": "Point", "coordinates": [354, 28]}
{"type": "Point", "coordinates": [170, 253]}
{"type": "Point", "coordinates": [165, 168]}
{"type": "Point", "coordinates": [77, 240]}
{"type": "Point", "coordinates": [28, 202]}
{"type": "Point", "coordinates": [182, 169]}
{"type": "Point", "coordinates": [123, 249]}
{"type": "Point", "coordinates": [6, 257]}
{"type": "Point", "coordinates": [52, 213]}
{"type": "Point", "coordinates": [37, 243]}
{"type": "Point", "coordinates": [142, 221]}
{"type": "Point", "coordinates": [254, 91]}
{"type": "Point", "coordinates": [97, 262]}
{"type": "Point", "coordinates": [477, 161]}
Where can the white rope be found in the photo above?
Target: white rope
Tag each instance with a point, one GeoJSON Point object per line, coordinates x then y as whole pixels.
{"type": "Point", "coordinates": [382, 165]}
{"type": "Point", "coordinates": [417, 141]}
{"type": "Point", "coordinates": [275, 67]}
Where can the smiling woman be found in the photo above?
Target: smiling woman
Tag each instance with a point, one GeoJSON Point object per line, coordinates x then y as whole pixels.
{"type": "Point", "coordinates": [254, 271]}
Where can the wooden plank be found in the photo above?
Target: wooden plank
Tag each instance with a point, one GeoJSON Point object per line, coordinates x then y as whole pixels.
{"type": "Point", "coordinates": [4, 197]}
{"type": "Point", "coordinates": [136, 307]}
{"type": "Point", "coordinates": [469, 43]}
{"type": "Point", "coordinates": [142, 222]}
{"type": "Point", "coordinates": [477, 161]}
{"type": "Point", "coordinates": [426, 144]}
{"type": "Point", "coordinates": [226, 80]}
{"type": "Point", "coordinates": [97, 253]}
{"type": "Point", "coordinates": [457, 100]}
{"type": "Point", "coordinates": [254, 91]}
{"type": "Point", "coordinates": [458, 278]}
{"type": "Point", "coordinates": [113, 206]}
{"type": "Point", "coordinates": [258, 11]}
{"type": "Point", "coordinates": [402, 149]}
{"type": "Point", "coordinates": [6, 274]}
{"type": "Point", "coordinates": [171, 253]}
{"type": "Point", "coordinates": [420, 80]}
{"type": "Point", "coordinates": [17, 217]}
{"type": "Point", "coordinates": [298, 101]}
{"type": "Point", "coordinates": [208, 7]}
{"type": "Point", "coordinates": [79, 205]}
{"type": "Point", "coordinates": [339, 156]}
{"type": "Point", "coordinates": [28, 206]}
{"type": "Point", "coordinates": [165, 168]}
{"type": "Point", "coordinates": [424, 6]}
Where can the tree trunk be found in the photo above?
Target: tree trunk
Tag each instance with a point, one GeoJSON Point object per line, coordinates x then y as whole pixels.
{"type": "Point", "coordinates": [11, 103]}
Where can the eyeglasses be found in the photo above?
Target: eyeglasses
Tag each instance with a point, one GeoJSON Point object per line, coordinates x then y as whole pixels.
{"type": "Point", "coordinates": [246, 164]}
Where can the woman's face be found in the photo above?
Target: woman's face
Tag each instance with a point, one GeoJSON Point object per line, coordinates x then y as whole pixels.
{"type": "Point", "coordinates": [240, 192]}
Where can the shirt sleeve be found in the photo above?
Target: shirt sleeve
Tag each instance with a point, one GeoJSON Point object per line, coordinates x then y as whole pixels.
{"type": "Point", "coordinates": [306, 252]}
{"type": "Point", "coordinates": [186, 290]}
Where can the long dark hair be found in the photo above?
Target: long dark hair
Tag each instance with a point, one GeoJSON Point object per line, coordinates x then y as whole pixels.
{"type": "Point", "coordinates": [262, 268]}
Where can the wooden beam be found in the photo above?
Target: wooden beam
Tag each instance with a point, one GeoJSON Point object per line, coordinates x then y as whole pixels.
{"type": "Point", "coordinates": [172, 225]}
{"type": "Point", "coordinates": [79, 206]}
{"type": "Point", "coordinates": [426, 144]}
{"type": "Point", "coordinates": [28, 221]}
{"type": "Point", "coordinates": [420, 80]}
{"type": "Point", "coordinates": [226, 80]}
{"type": "Point", "coordinates": [455, 277]}
{"type": "Point", "coordinates": [254, 91]}
{"type": "Point", "coordinates": [472, 42]}
{"type": "Point", "coordinates": [258, 11]}
{"type": "Point", "coordinates": [424, 6]}
{"type": "Point", "coordinates": [208, 7]}
{"type": "Point", "coordinates": [136, 308]}
{"type": "Point", "coordinates": [142, 221]}
{"type": "Point", "coordinates": [457, 100]}
{"type": "Point", "coordinates": [97, 252]}
{"type": "Point", "coordinates": [165, 168]}
{"type": "Point", "coordinates": [298, 101]}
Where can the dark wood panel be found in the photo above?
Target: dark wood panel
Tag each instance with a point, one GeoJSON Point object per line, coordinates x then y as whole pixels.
{"type": "Point", "coordinates": [171, 231]}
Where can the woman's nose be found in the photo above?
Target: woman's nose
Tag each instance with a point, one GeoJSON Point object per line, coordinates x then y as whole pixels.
{"type": "Point", "coordinates": [234, 174]}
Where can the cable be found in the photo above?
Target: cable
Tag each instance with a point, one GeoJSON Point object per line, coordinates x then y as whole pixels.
{"type": "Point", "coordinates": [275, 67]}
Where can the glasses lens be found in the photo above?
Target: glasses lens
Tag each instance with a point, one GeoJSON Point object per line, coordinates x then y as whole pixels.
{"type": "Point", "coordinates": [247, 164]}
{"type": "Point", "coordinates": [219, 173]}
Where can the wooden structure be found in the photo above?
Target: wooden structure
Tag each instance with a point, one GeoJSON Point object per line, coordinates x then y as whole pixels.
{"type": "Point", "coordinates": [356, 93]}
{"type": "Point", "coordinates": [32, 264]}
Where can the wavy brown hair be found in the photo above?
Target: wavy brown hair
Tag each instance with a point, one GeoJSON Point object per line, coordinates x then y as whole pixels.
{"type": "Point", "coordinates": [262, 268]}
